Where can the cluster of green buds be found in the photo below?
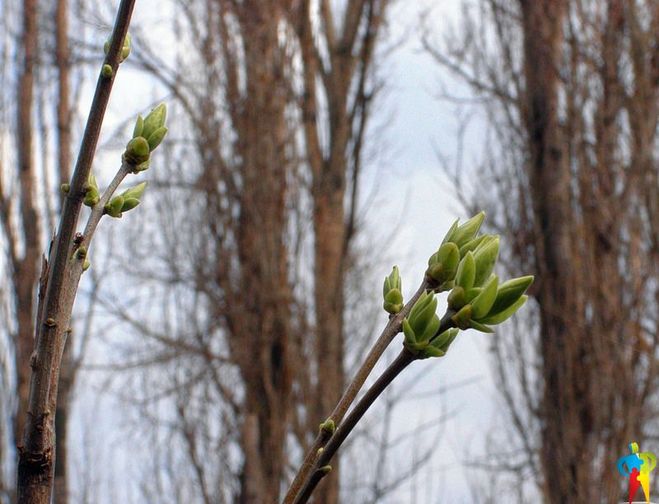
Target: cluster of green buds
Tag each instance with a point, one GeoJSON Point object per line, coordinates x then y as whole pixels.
{"type": "Point", "coordinates": [148, 133]}
{"type": "Point", "coordinates": [443, 264]}
{"type": "Point", "coordinates": [421, 329]}
{"type": "Point", "coordinates": [477, 298]}
{"type": "Point", "coordinates": [107, 71]}
{"type": "Point", "coordinates": [393, 292]}
{"type": "Point", "coordinates": [125, 201]}
{"type": "Point", "coordinates": [463, 265]}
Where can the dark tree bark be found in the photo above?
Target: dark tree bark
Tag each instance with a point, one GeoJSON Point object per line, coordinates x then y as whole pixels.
{"type": "Point", "coordinates": [25, 272]}
{"type": "Point", "coordinates": [67, 374]}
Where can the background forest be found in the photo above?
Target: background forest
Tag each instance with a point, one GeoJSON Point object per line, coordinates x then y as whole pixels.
{"type": "Point", "coordinates": [312, 145]}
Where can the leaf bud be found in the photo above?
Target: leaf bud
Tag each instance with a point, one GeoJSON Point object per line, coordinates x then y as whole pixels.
{"type": "Point", "coordinates": [468, 230]}
{"type": "Point", "coordinates": [107, 71]}
{"type": "Point", "coordinates": [482, 303]}
{"type": "Point", "coordinates": [509, 292]}
{"type": "Point", "coordinates": [443, 264]}
{"type": "Point", "coordinates": [113, 208]}
{"type": "Point", "coordinates": [137, 151]}
{"type": "Point", "coordinates": [466, 273]}
{"type": "Point", "coordinates": [139, 126]}
{"type": "Point", "coordinates": [505, 314]}
{"type": "Point", "coordinates": [391, 291]}
{"type": "Point", "coordinates": [154, 120]}
{"type": "Point", "coordinates": [156, 137]}
{"type": "Point", "coordinates": [463, 317]}
{"type": "Point", "coordinates": [485, 257]}
{"type": "Point", "coordinates": [92, 195]}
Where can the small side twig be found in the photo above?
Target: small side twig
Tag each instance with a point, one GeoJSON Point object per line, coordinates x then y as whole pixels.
{"type": "Point", "coordinates": [321, 466]}
{"type": "Point", "coordinates": [390, 331]}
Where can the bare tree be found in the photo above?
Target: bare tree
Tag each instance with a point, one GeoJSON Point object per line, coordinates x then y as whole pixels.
{"type": "Point", "coordinates": [571, 91]}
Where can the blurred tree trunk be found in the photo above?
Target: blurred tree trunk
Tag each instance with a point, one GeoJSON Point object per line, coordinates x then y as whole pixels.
{"type": "Point", "coordinates": [25, 266]}
{"type": "Point", "coordinates": [24, 220]}
{"type": "Point", "coordinates": [342, 79]}
{"type": "Point", "coordinates": [260, 343]}
{"type": "Point", "coordinates": [67, 372]}
{"type": "Point", "coordinates": [565, 475]}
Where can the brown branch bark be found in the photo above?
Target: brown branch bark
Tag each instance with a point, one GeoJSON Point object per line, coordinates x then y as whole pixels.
{"type": "Point", "coordinates": [37, 454]}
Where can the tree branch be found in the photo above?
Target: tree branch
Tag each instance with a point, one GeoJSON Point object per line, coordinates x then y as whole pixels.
{"type": "Point", "coordinates": [36, 455]}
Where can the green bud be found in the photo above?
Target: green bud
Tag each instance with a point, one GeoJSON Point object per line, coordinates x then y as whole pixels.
{"type": "Point", "coordinates": [125, 50]}
{"type": "Point", "coordinates": [480, 327]}
{"type": "Point", "coordinates": [325, 469]}
{"type": "Point", "coordinates": [485, 257]}
{"type": "Point", "coordinates": [449, 233]}
{"type": "Point", "coordinates": [327, 427]}
{"type": "Point", "coordinates": [509, 292]}
{"type": "Point", "coordinates": [443, 264]}
{"type": "Point", "coordinates": [431, 351]}
{"type": "Point", "coordinates": [422, 313]}
{"type": "Point", "coordinates": [86, 265]}
{"type": "Point", "coordinates": [482, 303]}
{"type": "Point", "coordinates": [142, 166]}
{"type": "Point", "coordinates": [65, 188]}
{"type": "Point", "coordinates": [391, 291]}
{"type": "Point", "coordinates": [410, 337]}
{"type": "Point", "coordinates": [430, 330]}
{"type": "Point", "coordinates": [137, 151]}
{"type": "Point", "coordinates": [154, 120]}
{"type": "Point", "coordinates": [463, 317]}
{"type": "Point", "coordinates": [505, 314]}
{"type": "Point", "coordinates": [92, 195]}
{"type": "Point", "coordinates": [81, 253]}
{"type": "Point", "coordinates": [466, 273]}
{"type": "Point", "coordinates": [91, 198]}
{"type": "Point", "coordinates": [468, 230]}
{"type": "Point", "coordinates": [139, 126]}
{"type": "Point", "coordinates": [393, 301]}
{"type": "Point", "coordinates": [444, 340]}
{"type": "Point", "coordinates": [129, 204]}
{"type": "Point", "coordinates": [472, 244]}
{"type": "Point", "coordinates": [134, 192]}
{"type": "Point", "coordinates": [471, 294]}
{"type": "Point", "coordinates": [157, 137]}
{"type": "Point", "coordinates": [113, 208]}
{"type": "Point", "coordinates": [456, 298]}
{"type": "Point", "coordinates": [107, 71]}
{"type": "Point", "coordinates": [393, 281]}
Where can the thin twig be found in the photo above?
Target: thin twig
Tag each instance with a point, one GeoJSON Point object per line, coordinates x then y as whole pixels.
{"type": "Point", "coordinates": [320, 467]}
{"type": "Point", "coordinates": [390, 331]}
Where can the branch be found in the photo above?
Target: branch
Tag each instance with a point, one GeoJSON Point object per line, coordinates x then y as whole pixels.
{"type": "Point", "coordinates": [392, 328]}
{"type": "Point", "coordinates": [321, 467]}
{"type": "Point", "coordinates": [36, 455]}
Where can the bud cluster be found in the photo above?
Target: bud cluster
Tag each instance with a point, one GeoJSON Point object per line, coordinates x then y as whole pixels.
{"type": "Point", "coordinates": [125, 201]}
{"type": "Point", "coordinates": [148, 133]}
{"type": "Point", "coordinates": [463, 265]}
{"type": "Point", "coordinates": [392, 292]}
